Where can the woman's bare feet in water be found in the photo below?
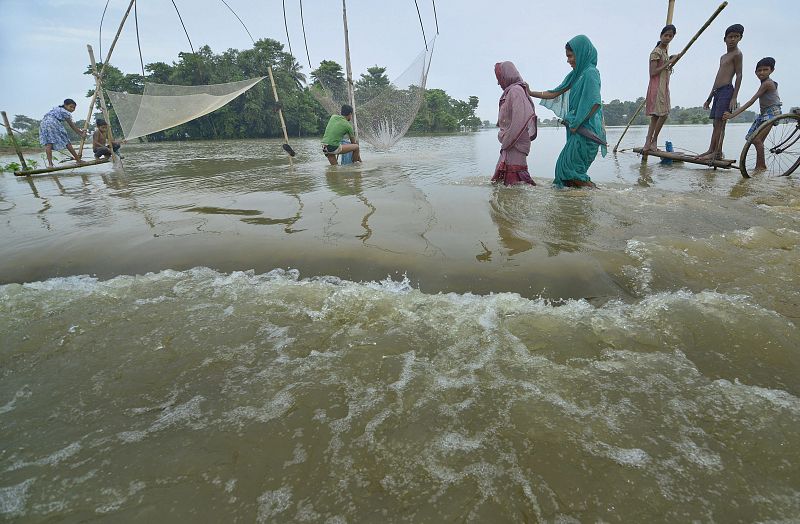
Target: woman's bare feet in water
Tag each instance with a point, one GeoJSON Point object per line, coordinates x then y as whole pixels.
{"type": "Point", "coordinates": [580, 183]}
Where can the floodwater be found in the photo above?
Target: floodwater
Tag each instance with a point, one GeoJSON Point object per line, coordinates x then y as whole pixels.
{"type": "Point", "coordinates": [210, 335]}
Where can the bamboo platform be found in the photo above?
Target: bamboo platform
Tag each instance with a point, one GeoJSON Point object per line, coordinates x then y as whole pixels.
{"type": "Point", "coordinates": [724, 163]}
{"type": "Point", "coordinates": [46, 170]}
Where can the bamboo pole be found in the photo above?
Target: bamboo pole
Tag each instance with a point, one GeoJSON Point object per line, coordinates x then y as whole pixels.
{"type": "Point", "coordinates": [670, 11]}
{"type": "Point", "coordinates": [724, 163]}
{"type": "Point", "coordinates": [280, 111]}
{"type": "Point", "coordinates": [350, 92]}
{"type": "Point", "coordinates": [60, 168]}
{"type": "Point", "coordinates": [99, 93]}
{"type": "Point", "coordinates": [722, 6]}
{"type": "Point", "coordinates": [100, 77]}
{"type": "Point", "coordinates": [14, 140]}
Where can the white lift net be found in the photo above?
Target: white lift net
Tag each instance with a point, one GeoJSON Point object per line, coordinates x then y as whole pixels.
{"type": "Point", "coordinates": [164, 106]}
{"type": "Point", "coordinates": [383, 114]}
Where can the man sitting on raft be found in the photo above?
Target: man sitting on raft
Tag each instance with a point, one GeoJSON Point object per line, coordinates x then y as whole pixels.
{"type": "Point", "coordinates": [338, 126]}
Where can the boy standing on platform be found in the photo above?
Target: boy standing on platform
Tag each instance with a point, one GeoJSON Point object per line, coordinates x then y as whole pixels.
{"type": "Point", "coordinates": [724, 93]}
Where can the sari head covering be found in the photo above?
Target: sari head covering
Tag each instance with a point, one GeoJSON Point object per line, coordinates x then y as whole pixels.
{"type": "Point", "coordinates": [583, 84]}
{"type": "Point", "coordinates": [507, 74]}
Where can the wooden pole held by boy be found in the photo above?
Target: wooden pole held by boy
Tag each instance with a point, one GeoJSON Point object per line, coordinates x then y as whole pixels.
{"type": "Point", "coordinates": [350, 93]}
{"type": "Point", "coordinates": [280, 112]}
{"type": "Point", "coordinates": [14, 141]}
{"type": "Point", "coordinates": [98, 90]}
{"type": "Point", "coordinates": [722, 6]}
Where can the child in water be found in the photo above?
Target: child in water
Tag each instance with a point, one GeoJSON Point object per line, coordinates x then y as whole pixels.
{"type": "Point", "coordinates": [338, 126]}
{"type": "Point", "coordinates": [657, 105]}
{"type": "Point", "coordinates": [769, 102]}
{"type": "Point", "coordinates": [100, 141]}
{"type": "Point", "coordinates": [52, 133]}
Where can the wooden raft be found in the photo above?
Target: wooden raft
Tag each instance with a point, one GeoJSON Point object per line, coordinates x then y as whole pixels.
{"type": "Point", "coordinates": [60, 168]}
{"type": "Point", "coordinates": [723, 163]}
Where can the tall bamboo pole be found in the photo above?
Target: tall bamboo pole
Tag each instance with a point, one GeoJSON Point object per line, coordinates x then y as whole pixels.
{"type": "Point", "coordinates": [670, 10]}
{"type": "Point", "coordinates": [100, 77]}
{"type": "Point", "coordinates": [280, 111]}
{"type": "Point", "coordinates": [14, 140]}
{"type": "Point", "coordinates": [722, 6]}
{"type": "Point", "coordinates": [350, 93]}
{"type": "Point", "coordinates": [99, 93]}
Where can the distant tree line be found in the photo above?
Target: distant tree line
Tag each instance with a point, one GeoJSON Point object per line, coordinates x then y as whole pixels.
{"type": "Point", "coordinates": [617, 113]}
{"type": "Point", "coordinates": [255, 114]}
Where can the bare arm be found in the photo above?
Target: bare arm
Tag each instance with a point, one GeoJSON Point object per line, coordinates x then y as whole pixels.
{"type": "Point", "coordinates": [737, 63]}
{"type": "Point", "coordinates": [547, 95]}
{"type": "Point", "coordinates": [655, 69]}
{"type": "Point", "coordinates": [707, 103]}
{"type": "Point", "coordinates": [76, 128]}
{"type": "Point", "coordinates": [592, 111]}
{"type": "Point", "coordinates": [766, 86]}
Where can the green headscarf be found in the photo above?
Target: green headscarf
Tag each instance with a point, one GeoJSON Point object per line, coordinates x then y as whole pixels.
{"type": "Point", "coordinates": [584, 90]}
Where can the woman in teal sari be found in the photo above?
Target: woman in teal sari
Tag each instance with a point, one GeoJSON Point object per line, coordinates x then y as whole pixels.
{"type": "Point", "coordinates": [577, 102]}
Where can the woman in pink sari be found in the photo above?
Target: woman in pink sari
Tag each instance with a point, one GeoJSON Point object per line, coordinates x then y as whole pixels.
{"type": "Point", "coordinates": [517, 122]}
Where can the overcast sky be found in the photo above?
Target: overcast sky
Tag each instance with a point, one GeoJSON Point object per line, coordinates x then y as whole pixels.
{"type": "Point", "coordinates": [43, 42]}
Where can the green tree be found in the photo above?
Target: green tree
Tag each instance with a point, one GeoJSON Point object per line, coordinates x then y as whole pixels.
{"type": "Point", "coordinates": [371, 84]}
{"type": "Point", "coordinates": [329, 74]}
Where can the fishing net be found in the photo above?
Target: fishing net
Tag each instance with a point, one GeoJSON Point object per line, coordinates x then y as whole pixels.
{"type": "Point", "coordinates": [383, 113]}
{"type": "Point", "coordinates": [164, 106]}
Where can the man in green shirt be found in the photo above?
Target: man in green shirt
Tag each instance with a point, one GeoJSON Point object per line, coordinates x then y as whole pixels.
{"type": "Point", "coordinates": [338, 126]}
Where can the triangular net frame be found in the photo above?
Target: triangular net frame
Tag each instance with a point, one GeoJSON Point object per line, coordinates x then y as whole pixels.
{"type": "Point", "coordinates": [384, 115]}
{"type": "Point", "coordinates": [164, 106]}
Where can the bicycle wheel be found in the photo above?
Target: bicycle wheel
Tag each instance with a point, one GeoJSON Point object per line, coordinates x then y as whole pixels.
{"type": "Point", "coordinates": [781, 136]}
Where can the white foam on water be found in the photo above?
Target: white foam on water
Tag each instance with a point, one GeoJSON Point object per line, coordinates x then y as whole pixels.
{"type": "Point", "coordinates": [273, 503]}
{"type": "Point", "coordinates": [406, 374]}
{"type": "Point", "coordinates": [741, 393]}
{"type": "Point", "coordinates": [454, 442]}
{"type": "Point", "coordinates": [23, 393]}
{"type": "Point", "coordinates": [275, 408]}
{"type": "Point", "coordinates": [52, 459]}
{"type": "Point", "coordinates": [299, 456]}
{"type": "Point", "coordinates": [642, 275]}
{"type": "Point", "coordinates": [703, 457]}
{"type": "Point", "coordinates": [14, 498]}
{"type": "Point", "coordinates": [188, 412]}
{"type": "Point", "coordinates": [631, 457]}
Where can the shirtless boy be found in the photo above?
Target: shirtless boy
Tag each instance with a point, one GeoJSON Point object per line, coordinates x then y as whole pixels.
{"type": "Point", "coordinates": [724, 93]}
